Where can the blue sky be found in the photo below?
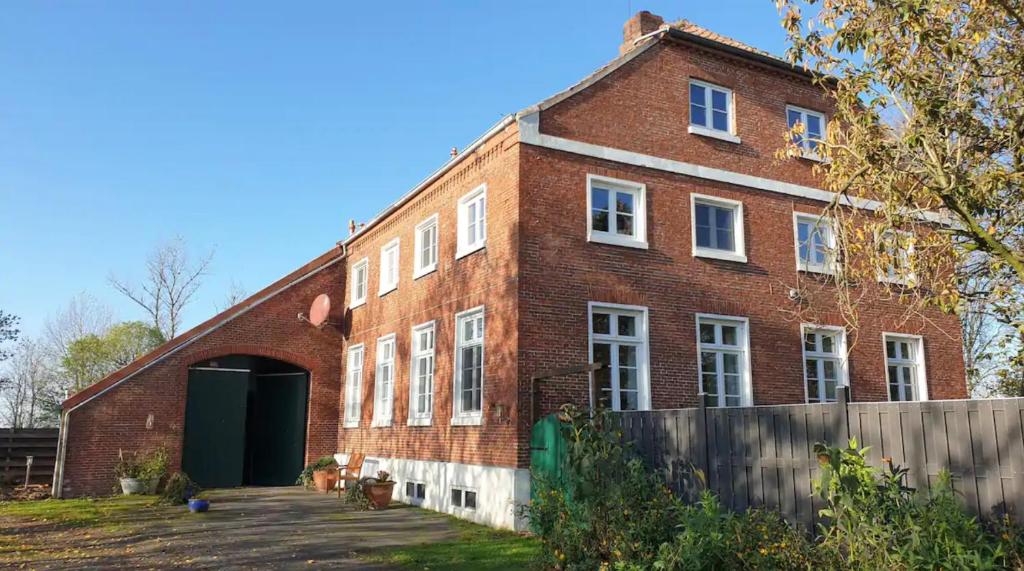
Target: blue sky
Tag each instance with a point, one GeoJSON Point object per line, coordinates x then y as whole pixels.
{"type": "Point", "coordinates": [259, 129]}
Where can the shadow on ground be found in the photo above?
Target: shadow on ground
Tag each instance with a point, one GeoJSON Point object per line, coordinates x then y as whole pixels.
{"type": "Point", "coordinates": [246, 528]}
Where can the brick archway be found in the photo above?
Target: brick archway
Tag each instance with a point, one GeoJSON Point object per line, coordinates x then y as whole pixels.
{"type": "Point", "coordinates": [296, 359]}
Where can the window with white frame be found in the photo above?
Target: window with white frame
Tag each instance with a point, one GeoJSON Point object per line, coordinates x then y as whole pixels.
{"type": "Point", "coordinates": [904, 368]}
{"type": "Point", "coordinates": [472, 222]}
{"type": "Point", "coordinates": [469, 367]}
{"type": "Point", "coordinates": [618, 340]}
{"type": "Point", "coordinates": [617, 212]}
{"type": "Point", "coordinates": [354, 386]}
{"type": "Point", "coordinates": [360, 281]}
{"type": "Point", "coordinates": [724, 360]}
{"type": "Point", "coordinates": [815, 243]}
{"type": "Point", "coordinates": [389, 269]}
{"type": "Point", "coordinates": [426, 247]}
{"type": "Point", "coordinates": [421, 389]}
{"type": "Point", "coordinates": [897, 249]}
{"type": "Point", "coordinates": [415, 492]}
{"type": "Point", "coordinates": [384, 381]}
{"type": "Point", "coordinates": [813, 127]}
{"type": "Point", "coordinates": [824, 362]}
{"type": "Point", "coordinates": [711, 111]}
{"type": "Point", "coordinates": [717, 228]}
{"type": "Point", "coordinates": [464, 498]}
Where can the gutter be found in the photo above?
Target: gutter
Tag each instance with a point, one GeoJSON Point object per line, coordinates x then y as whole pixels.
{"type": "Point", "coordinates": [57, 488]}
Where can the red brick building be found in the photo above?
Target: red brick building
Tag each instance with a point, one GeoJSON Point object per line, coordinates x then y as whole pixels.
{"type": "Point", "coordinates": [640, 219]}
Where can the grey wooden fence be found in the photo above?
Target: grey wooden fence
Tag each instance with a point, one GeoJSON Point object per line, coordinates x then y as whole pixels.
{"type": "Point", "coordinates": [764, 455]}
{"type": "Point", "coordinates": [16, 444]}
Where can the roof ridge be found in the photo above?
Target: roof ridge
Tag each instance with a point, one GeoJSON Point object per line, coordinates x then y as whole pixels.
{"type": "Point", "coordinates": [691, 27]}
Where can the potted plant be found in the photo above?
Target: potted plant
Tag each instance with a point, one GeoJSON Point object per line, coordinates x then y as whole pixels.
{"type": "Point", "coordinates": [128, 471]}
{"type": "Point", "coordinates": [323, 474]}
{"type": "Point", "coordinates": [379, 489]}
{"type": "Point", "coordinates": [198, 504]}
{"type": "Point", "coordinates": [154, 468]}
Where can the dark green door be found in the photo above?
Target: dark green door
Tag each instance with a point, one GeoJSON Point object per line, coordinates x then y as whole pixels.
{"type": "Point", "coordinates": [215, 412]}
{"type": "Point", "coordinates": [547, 450]}
{"type": "Point", "coordinates": [277, 432]}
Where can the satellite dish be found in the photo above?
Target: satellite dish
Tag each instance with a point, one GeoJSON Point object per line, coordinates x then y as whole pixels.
{"type": "Point", "coordinates": [319, 309]}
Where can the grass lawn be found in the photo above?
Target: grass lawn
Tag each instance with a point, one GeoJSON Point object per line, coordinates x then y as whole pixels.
{"type": "Point", "coordinates": [477, 548]}
{"type": "Point", "coordinates": [107, 513]}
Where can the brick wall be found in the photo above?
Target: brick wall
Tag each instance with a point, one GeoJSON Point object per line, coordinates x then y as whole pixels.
{"type": "Point", "coordinates": [643, 107]}
{"type": "Point", "coordinates": [117, 420]}
{"type": "Point", "coordinates": [487, 277]}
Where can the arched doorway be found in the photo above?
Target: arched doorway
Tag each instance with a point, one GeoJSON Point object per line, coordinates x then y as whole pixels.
{"type": "Point", "coordinates": [245, 421]}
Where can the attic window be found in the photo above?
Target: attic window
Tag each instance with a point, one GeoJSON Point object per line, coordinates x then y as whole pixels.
{"type": "Point", "coordinates": [711, 111]}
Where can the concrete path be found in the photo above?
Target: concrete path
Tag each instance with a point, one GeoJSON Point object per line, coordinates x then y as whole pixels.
{"type": "Point", "coordinates": [253, 528]}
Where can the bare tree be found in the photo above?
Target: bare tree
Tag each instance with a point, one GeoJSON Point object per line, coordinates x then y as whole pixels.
{"type": "Point", "coordinates": [172, 280]}
{"type": "Point", "coordinates": [236, 293]}
{"type": "Point", "coordinates": [84, 315]}
{"type": "Point", "coordinates": [23, 394]}
{"type": "Point", "coordinates": [8, 331]}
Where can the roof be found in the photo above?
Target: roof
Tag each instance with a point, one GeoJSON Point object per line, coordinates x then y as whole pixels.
{"type": "Point", "coordinates": [187, 338]}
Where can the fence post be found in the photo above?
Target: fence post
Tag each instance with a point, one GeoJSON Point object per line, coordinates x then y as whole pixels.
{"type": "Point", "coordinates": [842, 406]}
{"type": "Point", "coordinates": [702, 429]}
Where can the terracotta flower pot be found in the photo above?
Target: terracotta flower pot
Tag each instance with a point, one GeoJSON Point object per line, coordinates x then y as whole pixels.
{"type": "Point", "coordinates": [325, 480]}
{"type": "Point", "coordinates": [379, 493]}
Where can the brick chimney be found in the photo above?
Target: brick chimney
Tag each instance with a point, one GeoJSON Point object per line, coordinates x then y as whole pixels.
{"type": "Point", "coordinates": [639, 25]}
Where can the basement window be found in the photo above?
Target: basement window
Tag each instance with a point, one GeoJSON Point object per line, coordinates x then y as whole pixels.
{"type": "Point", "coordinates": [464, 498]}
{"type": "Point", "coordinates": [415, 492]}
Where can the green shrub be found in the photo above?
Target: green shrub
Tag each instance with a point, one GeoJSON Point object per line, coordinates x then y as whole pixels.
{"type": "Point", "coordinates": [179, 488]}
{"type": "Point", "coordinates": [874, 521]}
{"type": "Point", "coordinates": [153, 464]}
{"type": "Point", "coordinates": [306, 476]}
{"type": "Point", "coordinates": [710, 537]}
{"type": "Point", "coordinates": [607, 509]}
{"type": "Point", "coordinates": [356, 496]}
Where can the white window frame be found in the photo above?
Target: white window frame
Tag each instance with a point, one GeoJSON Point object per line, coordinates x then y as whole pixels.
{"type": "Point", "coordinates": [476, 196]}
{"type": "Point", "coordinates": [707, 130]}
{"type": "Point", "coordinates": [805, 151]}
{"type": "Point", "coordinates": [886, 276]}
{"type": "Point", "coordinates": [746, 378]}
{"type": "Point", "coordinates": [413, 499]}
{"type": "Point", "coordinates": [841, 355]}
{"type": "Point", "coordinates": [462, 495]}
{"type": "Point", "coordinates": [384, 397]}
{"type": "Point", "coordinates": [419, 268]}
{"type": "Point", "coordinates": [817, 220]}
{"type": "Point", "coordinates": [639, 193]}
{"type": "Point", "coordinates": [920, 373]}
{"type": "Point", "coordinates": [459, 416]}
{"type": "Point", "coordinates": [386, 285]}
{"type": "Point", "coordinates": [354, 386]}
{"type": "Point", "coordinates": [738, 254]}
{"type": "Point", "coordinates": [417, 418]}
{"type": "Point", "coordinates": [363, 266]}
{"type": "Point", "coordinates": [641, 341]}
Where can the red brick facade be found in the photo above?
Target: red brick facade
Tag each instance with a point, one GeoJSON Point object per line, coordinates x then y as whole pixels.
{"type": "Point", "coordinates": [536, 276]}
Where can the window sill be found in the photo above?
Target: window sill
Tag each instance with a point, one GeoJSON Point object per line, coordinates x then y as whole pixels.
{"type": "Point", "coordinates": [381, 424]}
{"type": "Point", "coordinates": [469, 250]}
{"type": "Point", "coordinates": [351, 424]}
{"type": "Point", "coordinates": [359, 303]}
{"type": "Point", "coordinates": [468, 420]}
{"type": "Point", "coordinates": [614, 240]}
{"type": "Point", "coordinates": [705, 132]}
{"type": "Point", "coordinates": [384, 292]}
{"type": "Point", "coordinates": [719, 255]}
{"type": "Point", "coordinates": [424, 272]}
{"type": "Point", "coordinates": [825, 271]}
{"type": "Point", "coordinates": [814, 157]}
{"type": "Point", "coordinates": [427, 421]}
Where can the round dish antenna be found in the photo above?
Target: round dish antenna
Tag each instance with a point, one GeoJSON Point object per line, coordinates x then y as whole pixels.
{"type": "Point", "coordinates": [319, 309]}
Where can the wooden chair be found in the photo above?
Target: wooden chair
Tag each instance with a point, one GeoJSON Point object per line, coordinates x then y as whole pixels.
{"type": "Point", "coordinates": [350, 471]}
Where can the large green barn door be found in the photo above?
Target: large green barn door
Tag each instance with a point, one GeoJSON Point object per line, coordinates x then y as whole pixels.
{"type": "Point", "coordinates": [215, 413]}
{"type": "Point", "coordinates": [277, 436]}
